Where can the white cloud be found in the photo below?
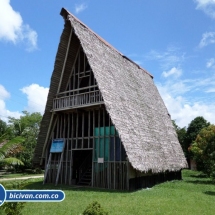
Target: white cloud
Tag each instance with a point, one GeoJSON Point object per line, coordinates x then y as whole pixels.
{"type": "Point", "coordinates": [210, 90]}
{"type": "Point", "coordinates": [174, 72]}
{"type": "Point", "coordinates": [13, 29]}
{"type": "Point", "coordinates": [182, 110]}
{"type": "Point", "coordinates": [80, 7]}
{"type": "Point", "coordinates": [3, 93]}
{"type": "Point", "coordinates": [4, 113]}
{"type": "Point", "coordinates": [168, 59]}
{"type": "Point", "coordinates": [210, 63]}
{"type": "Point", "coordinates": [37, 96]}
{"type": "Point", "coordinates": [207, 38]}
{"type": "Point", "coordinates": [208, 6]}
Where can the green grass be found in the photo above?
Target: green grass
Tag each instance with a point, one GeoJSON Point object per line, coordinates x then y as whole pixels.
{"type": "Point", "coordinates": [195, 194]}
{"type": "Point", "coordinates": [16, 175]}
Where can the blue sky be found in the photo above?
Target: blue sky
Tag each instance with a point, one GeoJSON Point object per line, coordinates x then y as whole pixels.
{"type": "Point", "coordinates": [173, 40]}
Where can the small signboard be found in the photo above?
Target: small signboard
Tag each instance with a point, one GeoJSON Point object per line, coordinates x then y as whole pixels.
{"type": "Point", "coordinates": [57, 146]}
{"type": "Point", "coordinates": [100, 160]}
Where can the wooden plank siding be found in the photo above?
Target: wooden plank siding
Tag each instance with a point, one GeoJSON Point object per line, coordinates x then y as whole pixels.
{"type": "Point", "coordinates": [54, 85]}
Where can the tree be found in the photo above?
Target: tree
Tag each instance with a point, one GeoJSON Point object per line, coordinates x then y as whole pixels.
{"type": "Point", "coordinates": [27, 126]}
{"type": "Point", "coordinates": [3, 127]}
{"type": "Point", "coordinates": [8, 150]}
{"type": "Point", "coordinates": [181, 133]}
{"type": "Point", "coordinates": [25, 122]}
{"type": "Point", "coordinates": [193, 130]}
{"type": "Point", "coordinates": [203, 149]}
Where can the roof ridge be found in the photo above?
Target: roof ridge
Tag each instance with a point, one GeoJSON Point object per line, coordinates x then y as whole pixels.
{"type": "Point", "coordinates": [64, 12]}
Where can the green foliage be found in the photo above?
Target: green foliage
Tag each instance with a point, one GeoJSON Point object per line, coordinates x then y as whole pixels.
{"type": "Point", "coordinates": [27, 126]}
{"type": "Point", "coordinates": [25, 123]}
{"type": "Point", "coordinates": [193, 130]}
{"type": "Point", "coordinates": [203, 150]}
{"type": "Point", "coordinates": [3, 127]}
{"type": "Point", "coordinates": [94, 209]}
{"type": "Point", "coordinates": [12, 161]}
{"type": "Point", "coordinates": [8, 151]}
{"type": "Point", "coordinates": [10, 145]}
{"type": "Point", "coordinates": [18, 140]}
{"type": "Point", "coordinates": [181, 132]}
{"type": "Point", "coordinates": [13, 208]}
{"type": "Point", "coordinates": [30, 132]}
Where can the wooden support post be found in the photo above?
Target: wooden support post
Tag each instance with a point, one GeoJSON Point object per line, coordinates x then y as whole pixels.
{"type": "Point", "coordinates": [67, 147]}
{"type": "Point", "coordinates": [89, 129]}
{"type": "Point", "coordinates": [104, 169]}
{"type": "Point", "coordinates": [127, 164]}
{"type": "Point", "coordinates": [109, 174]}
{"type": "Point", "coordinates": [71, 157]}
{"type": "Point", "coordinates": [65, 60]}
{"type": "Point", "coordinates": [74, 75]}
{"type": "Point", "coordinates": [90, 79]}
{"type": "Point", "coordinates": [50, 129]}
{"type": "Point", "coordinates": [114, 158]}
{"type": "Point", "coordinates": [73, 69]}
{"type": "Point", "coordinates": [98, 165]}
{"type": "Point", "coordinates": [79, 59]}
{"type": "Point", "coordinates": [59, 168]}
{"type": "Point", "coordinates": [93, 167]}
{"type": "Point", "coordinates": [82, 141]}
{"type": "Point", "coordinates": [47, 168]}
{"type": "Point", "coordinates": [120, 160]}
{"type": "Point", "coordinates": [61, 126]}
{"type": "Point", "coordinates": [76, 130]}
{"type": "Point", "coordinates": [84, 65]}
{"type": "Point", "coordinates": [58, 126]}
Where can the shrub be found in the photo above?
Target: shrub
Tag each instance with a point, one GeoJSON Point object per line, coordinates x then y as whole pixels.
{"type": "Point", "coordinates": [94, 209]}
{"type": "Point", "coordinates": [203, 149]}
{"type": "Point", "coordinates": [13, 208]}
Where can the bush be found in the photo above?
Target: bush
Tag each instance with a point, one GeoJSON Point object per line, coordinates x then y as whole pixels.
{"type": "Point", "coordinates": [203, 149]}
{"type": "Point", "coordinates": [94, 209]}
{"type": "Point", "coordinates": [13, 208]}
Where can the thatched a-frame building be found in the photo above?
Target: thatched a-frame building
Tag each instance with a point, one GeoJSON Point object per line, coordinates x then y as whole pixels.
{"type": "Point", "coordinates": [106, 117]}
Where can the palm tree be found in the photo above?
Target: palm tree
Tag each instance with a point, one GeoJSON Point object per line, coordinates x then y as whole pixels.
{"type": "Point", "coordinates": [8, 148]}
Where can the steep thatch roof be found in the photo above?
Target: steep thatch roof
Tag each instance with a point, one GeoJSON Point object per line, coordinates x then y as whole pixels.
{"type": "Point", "coordinates": [131, 99]}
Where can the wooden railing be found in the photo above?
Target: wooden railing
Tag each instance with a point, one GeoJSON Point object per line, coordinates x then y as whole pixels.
{"type": "Point", "coordinates": [71, 101]}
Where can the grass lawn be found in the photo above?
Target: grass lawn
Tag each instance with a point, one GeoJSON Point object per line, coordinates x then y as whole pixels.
{"type": "Point", "coordinates": [16, 175]}
{"type": "Point", "coordinates": [195, 194]}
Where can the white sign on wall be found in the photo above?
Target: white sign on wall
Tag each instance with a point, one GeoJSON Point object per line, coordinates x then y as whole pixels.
{"type": "Point", "coordinates": [100, 160]}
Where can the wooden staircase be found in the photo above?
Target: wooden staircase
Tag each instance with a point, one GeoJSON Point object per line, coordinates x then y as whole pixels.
{"type": "Point", "coordinates": [86, 178]}
{"type": "Point", "coordinates": [85, 171]}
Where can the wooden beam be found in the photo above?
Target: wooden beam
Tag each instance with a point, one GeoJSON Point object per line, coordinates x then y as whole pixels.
{"type": "Point", "coordinates": [93, 148]}
{"type": "Point", "coordinates": [65, 59]}
{"type": "Point", "coordinates": [71, 157]}
{"type": "Point", "coordinates": [50, 128]}
{"type": "Point", "coordinates": [114, 149]}
{"type": "Point", "coordinates": [76, 130]}
{"type": "Point", "coordinates": [82, 141]}
{"type": "Point", "coordinates": [73, 68]}
{"type": "Point", "coordinates": [67, 146]}
{"type": "Point", "coordinates": [47, 168]}
{"type": "Point", "coordinates": [59, 168]}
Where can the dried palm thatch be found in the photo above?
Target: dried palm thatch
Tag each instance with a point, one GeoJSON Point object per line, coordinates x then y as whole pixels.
{"type": "Point", "coordinates": [132, 101]}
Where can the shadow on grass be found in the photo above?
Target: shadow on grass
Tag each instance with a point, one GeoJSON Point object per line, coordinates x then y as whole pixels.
{"type": "Point", "coordinates": [39, 186]}
{"type": "Point", "coordinates": [205, 182]}
{"type": "Point", "coordinates": [199, 176]}
{"type": "Point", "coordinates": [211, 193]}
